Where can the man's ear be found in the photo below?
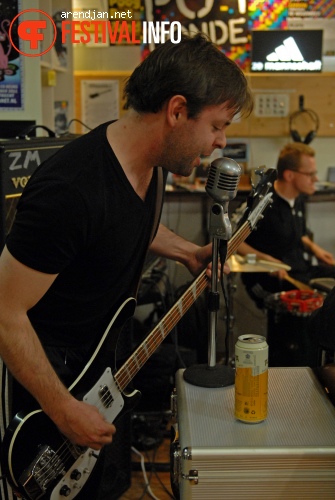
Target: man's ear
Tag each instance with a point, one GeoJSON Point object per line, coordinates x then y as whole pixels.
{"type": "Point", "coordinates": [176, 110]}
{"type": "Point", "coordinates": [288, 175]}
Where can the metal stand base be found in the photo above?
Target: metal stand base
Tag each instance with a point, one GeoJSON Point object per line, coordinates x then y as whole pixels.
{"type": "Point", "coordinates": [206, 376]}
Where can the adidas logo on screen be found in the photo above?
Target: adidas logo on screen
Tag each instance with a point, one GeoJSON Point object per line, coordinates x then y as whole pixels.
{"type": "Point", "coordinates": [291, 54]}
{"type": "Point", "coordinates": [288, 56]}
{"type": "Point", "coordinates": [288, 51]}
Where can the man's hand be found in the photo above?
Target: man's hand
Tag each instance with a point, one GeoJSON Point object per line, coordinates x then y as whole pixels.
{"type": "Point", "coordinates": [324, 256]}
{"type": "Point", "coordinates": [202, 258]}
{"type": "Point", "coordinates": [194, 257]}
{"type": "Point", "coordinates": [83, 424]}
{"type": "Point", "coordinates": [319, 252]}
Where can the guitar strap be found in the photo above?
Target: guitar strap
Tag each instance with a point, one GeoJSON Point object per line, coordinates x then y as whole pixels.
{"type": "Point", "coordinates": [120, 342]}
{"type": "Point", "coordinates": [158, 208]}
{"type": "Point", "coordinates": [159, 199]}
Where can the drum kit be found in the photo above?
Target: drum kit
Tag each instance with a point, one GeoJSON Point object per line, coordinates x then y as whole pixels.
{"type": "Point", "coordinates": [243, 264]}
{"type": "Point", "coordinates": [251, 264]}
{"type": "Point", "coordinates": [287, 312]}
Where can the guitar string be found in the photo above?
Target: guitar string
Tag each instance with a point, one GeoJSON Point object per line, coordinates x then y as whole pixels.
{"type": "Point", "coordinates": [170, 320]}
{"type": "Point", "coordinates": [47, 472]}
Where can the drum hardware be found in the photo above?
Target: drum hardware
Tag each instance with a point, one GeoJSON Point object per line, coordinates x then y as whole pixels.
{"type": "Point", "coordinates": [288, 336]}
{"type": "Point", "coordinates": [244, 264]}
{"type": "Point", "coordinates": [323, 284]}
{"type": "Point", "coordinates": [239, 264]}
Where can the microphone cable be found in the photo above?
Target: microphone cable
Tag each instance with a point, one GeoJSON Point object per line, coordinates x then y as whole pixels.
{"type": "Point", "coordinates": [223, 255]}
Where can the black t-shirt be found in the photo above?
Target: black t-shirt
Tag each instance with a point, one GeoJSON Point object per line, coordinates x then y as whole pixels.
{"type": "Point", "coordinates": [279, 233]}
{"type": "Point", "coordinates": [80, 218]}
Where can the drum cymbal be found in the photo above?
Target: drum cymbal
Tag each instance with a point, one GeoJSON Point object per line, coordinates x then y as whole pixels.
{"type": "Point", "coordinates": [239, 264]}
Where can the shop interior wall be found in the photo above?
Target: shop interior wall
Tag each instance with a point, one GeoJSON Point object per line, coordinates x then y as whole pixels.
{"type": "Point", "coordinates": [265, 137]}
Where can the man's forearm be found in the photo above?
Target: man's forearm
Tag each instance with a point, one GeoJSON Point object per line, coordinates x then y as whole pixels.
{"type": "Point", "coordinates": [25, 358]}
{"type": "Point", "coordinates": [168, 244]}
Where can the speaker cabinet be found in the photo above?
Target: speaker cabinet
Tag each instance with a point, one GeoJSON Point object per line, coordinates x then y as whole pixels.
{"type": "Point", "coordinates": [19, 158]}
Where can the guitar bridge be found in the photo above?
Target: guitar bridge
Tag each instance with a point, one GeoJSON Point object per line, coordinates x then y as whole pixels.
{"type": "Point", "coordinates": [41, 472]}
{"type": "Point", "coordinates": [106, 396]}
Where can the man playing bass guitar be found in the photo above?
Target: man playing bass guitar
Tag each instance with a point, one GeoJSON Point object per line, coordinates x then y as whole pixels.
{"type": "Point", "coordinates": [86, 219]}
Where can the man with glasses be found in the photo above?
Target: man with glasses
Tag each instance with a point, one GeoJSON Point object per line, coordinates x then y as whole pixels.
{"type": "Point", "coordinates": [282, 236]}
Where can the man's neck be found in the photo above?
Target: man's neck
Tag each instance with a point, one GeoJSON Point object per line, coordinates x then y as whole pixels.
{"type": "Point", "coordinates": [285, 190]}
{"type": "Point", "coordinates": [135, 138]}
{"type": "Point", "coordinates": [136, 153]}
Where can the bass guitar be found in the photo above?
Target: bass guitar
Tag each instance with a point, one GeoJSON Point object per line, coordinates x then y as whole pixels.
{"type": "Point", "coordinates": [38, 461]}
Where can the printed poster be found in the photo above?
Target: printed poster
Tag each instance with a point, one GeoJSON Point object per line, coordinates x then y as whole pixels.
{"type": "Point", "coordinates": [100, 101]}
{"type": "Point", "coordinates": [11, 85]}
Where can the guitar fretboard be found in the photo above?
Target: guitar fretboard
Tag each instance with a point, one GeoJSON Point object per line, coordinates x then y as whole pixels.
{"type": "Point", "coordinates": [130, 368]}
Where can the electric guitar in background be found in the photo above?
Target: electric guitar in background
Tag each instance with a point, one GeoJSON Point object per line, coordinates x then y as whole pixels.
{"type": "Point", "coordinates": [37, 460]}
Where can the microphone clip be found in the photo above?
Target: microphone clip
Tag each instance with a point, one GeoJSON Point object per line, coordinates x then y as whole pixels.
{"type": "Point", "coordinates": [219, 223]}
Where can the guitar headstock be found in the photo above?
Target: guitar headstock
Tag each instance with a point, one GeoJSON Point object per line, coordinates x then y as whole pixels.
{"type": "Point", "coordinates": [263, 186]}
{"type": "Point", "coordinates": [260, 196]}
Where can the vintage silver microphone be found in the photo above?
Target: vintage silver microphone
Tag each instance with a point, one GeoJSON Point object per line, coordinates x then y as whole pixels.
{"type": "Point", "coordinates": [222, 183]}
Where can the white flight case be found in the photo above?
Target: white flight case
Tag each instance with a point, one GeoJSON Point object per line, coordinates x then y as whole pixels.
{"type": "Point", "coordinates": [291, 455]}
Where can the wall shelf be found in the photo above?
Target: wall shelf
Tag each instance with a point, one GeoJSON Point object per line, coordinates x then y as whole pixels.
{"type": "Point", "coordinates": [318, 91]}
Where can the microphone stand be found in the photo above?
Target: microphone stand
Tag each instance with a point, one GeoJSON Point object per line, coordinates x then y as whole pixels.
{"type": "Point", "coordinates": [213, 374]}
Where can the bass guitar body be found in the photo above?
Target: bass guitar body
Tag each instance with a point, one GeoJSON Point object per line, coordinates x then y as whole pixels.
{"type": "Point", "coordinates": [37, 460]}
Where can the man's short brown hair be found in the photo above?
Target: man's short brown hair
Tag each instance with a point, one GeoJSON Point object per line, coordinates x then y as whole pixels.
{"type": "Point", "coordinates": [290, 155]}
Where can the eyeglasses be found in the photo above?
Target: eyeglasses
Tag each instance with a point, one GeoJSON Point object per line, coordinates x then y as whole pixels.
{"type": "Point", "coordinates": [311, 175]}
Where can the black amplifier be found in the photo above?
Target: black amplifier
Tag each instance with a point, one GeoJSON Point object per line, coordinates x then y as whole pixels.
{"type": "Point", "coordinates": [18, 160]}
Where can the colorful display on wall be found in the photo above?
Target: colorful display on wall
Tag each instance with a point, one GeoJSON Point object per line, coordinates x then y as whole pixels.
{"type": "Point", "coordinates": [312, 9]}
{"type": "Point", "coordinates": [229, 23]}
{"type": "Point", "coordinates": [268, 14]}
{"type": "Point", "coordinates": [224, 21]}
{"type": "Point", "coordinates": [11, 88]}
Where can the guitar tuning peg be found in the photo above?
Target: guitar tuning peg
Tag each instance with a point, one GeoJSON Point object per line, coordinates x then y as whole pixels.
{"type": "Point", "coordinates": [260, 170]}
{"type": "Point", "coordinates": [258, 175]}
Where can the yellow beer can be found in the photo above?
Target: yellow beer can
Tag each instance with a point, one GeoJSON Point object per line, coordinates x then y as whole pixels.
{"type": "Point", "coordinates": [251, 378]}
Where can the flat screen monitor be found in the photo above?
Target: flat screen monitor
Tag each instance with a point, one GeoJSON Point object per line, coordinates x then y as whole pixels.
{"type": "Point", "coordinates": [288, 51]}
